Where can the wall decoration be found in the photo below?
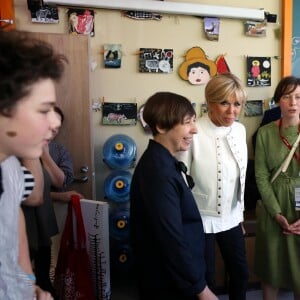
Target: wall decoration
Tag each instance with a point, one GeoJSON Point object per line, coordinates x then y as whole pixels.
{"type": "Point", "coordinates": [222, 66]}
{"type": "Point", "coordinates": [142, 15]}
{"type": "Point", "coordinates": [257, 29]}
{"type": "Point", "coordinates": [258, 71]}
{"type": "Point", "coordinates": [156, 60]}
{"type": "Point", "coordinates": [81, 21]}
{"type": "Point", "coordinates": [47, 14]}
{"type": "Point", "coordinates": [119, 113]}
{"type": "Point", "coordinates": [211, 28]}
{"type": "Point", "coordinates": [197, 68]}
{"type": "Point", "coordinates": [253, 108]}
{"type": "Point", "coordinates": [112, 55]}
{"type": "Point", "coordinates": [142, 121]}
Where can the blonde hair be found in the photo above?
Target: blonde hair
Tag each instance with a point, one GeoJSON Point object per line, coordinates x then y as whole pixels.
{"type": "Point", "coordinates": [220, 87]}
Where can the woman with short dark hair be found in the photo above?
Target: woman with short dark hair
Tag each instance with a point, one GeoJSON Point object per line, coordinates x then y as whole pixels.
{"type": "Point", "coordinates": [166, 227]}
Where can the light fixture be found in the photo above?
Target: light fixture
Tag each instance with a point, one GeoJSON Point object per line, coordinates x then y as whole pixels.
{"type": "Point", "coordinates": [169, 7]}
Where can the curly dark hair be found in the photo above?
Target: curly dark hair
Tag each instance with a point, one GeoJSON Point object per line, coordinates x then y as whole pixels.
{"type": "Point", "coordinates": [24, 61]}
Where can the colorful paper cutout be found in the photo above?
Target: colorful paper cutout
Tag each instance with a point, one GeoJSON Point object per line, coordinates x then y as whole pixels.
{"type": "Point", "coordinates": [222, 66]}
{"type": "Point", "coordinates": [197, 68]}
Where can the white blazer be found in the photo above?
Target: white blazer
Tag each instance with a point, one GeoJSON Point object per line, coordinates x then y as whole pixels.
{"type": "Point", "coordinates": [204, 161]}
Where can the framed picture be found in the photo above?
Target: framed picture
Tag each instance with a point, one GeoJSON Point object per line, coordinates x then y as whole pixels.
{"type": "Point", "coordinates": [254, 108]}
{"type": "Point", "coordinates": [112, 56]}
{"type": "Point", "coordinates": [258, 71]}
{"type": "Point", "coordinates": [119, 113]}
{"type": "Point", "coordinates": [81, 21]}
{"type": "Point", "coordinates": [156, 60]}
{"type": "Point", "coordinates": [256, 29]}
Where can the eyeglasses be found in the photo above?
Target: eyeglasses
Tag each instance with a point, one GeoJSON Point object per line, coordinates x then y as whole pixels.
{"type": "Point", "coordinates": [182, 167]}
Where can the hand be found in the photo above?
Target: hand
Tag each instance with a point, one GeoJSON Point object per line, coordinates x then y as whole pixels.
{"type": "Point", "coordinates": [295, 228]}
{"type": "Point", "coordinates": [67, 195]}
{"type": "Point", "coordinates": [207, 294]}
{"type": "Point", "coordinates": [41, 294]}
{"type": "Point", "coordinates": [282, 221]}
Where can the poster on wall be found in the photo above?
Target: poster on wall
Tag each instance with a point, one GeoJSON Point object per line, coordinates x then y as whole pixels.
{"type": "Point", "coordinates": [154, 60]}
{"type": "Point", "coordinates": [211, 28]}
{"type": "Point", "coordinates": [253, 108]}
{"type": "Point", "coordinates": [112, 56]}
{"type": "Point", "coordinates": [119, 113]}
{"type": "Point", "coordinates": [256, 29]}
{"type": "Point", "coordinates": [46, 14]}
{"type": "Point", "coordinates": [81, 21]}
{"type": "Point", "coordinates": [258, 71]}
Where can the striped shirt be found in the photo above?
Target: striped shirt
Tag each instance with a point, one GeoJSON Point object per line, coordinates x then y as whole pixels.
{"type": "Point", "coordinates": [28, 183]}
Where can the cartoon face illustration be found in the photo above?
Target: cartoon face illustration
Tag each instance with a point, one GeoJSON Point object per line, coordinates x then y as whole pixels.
{"type": "Point", "coordinates": [197, 68]}
{"type": "Point", "coordinates": [198, 73]}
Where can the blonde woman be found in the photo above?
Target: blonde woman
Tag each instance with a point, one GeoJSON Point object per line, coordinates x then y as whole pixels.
{"type": "Point", "coordinates": [217, 161]}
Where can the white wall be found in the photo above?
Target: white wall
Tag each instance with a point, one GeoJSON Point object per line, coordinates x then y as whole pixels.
{"type": "Point", "coordinates": [177, 32]}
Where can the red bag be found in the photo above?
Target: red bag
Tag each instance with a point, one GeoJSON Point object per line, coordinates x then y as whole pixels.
{"type": "Point", "coordinates": [73, 279]}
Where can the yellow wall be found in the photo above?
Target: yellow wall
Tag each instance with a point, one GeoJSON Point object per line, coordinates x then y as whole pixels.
{"type": "Point", "coordinates": [177, 32]}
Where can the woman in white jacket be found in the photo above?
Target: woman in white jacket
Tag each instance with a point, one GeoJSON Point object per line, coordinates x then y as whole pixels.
{"type": "Point", "coordinates": [217, 161]}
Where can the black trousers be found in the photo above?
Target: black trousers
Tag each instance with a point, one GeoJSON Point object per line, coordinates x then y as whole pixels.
{"type": "Point", "coordinates": [232, 247]}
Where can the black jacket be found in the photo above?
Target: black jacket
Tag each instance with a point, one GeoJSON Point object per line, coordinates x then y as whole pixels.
{"type": "Point", "coordinates": [166, 229]}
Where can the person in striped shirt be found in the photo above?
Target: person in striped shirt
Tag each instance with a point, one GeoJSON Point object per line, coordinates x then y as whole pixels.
{"type": "Point", "coordinates": [29, 69]}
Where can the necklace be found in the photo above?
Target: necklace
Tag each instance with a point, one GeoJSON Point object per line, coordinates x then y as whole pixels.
{"type": "Point", "coordinates": [286, 142]}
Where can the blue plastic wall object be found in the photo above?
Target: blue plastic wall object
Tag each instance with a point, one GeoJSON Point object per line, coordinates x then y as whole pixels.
{"type": "Point", "coordinates": [121, 258]}
{"type": "Point", "coordinates": [117, 186]}
{"type": "Point", "coordinates": [119, 152]}
{"type": "Point", "coordinates": [119, 224]}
